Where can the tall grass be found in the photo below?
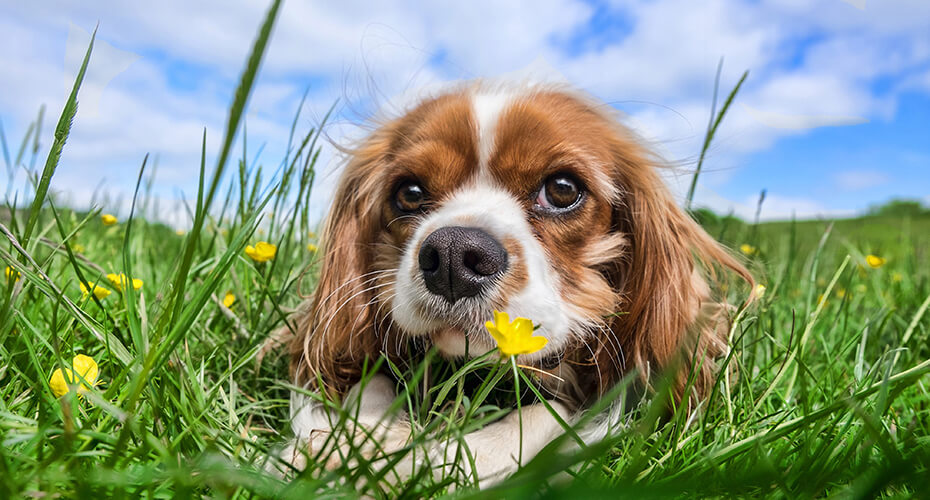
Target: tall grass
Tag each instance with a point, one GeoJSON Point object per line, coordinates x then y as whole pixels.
{"type": "Point", "coordinates": [831, 397]}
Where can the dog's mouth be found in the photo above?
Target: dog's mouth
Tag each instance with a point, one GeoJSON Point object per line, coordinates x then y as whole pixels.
{"type": "Point", "coordinates": [458, 330]}
{"type": "Point", "coordinates": [455, 342]}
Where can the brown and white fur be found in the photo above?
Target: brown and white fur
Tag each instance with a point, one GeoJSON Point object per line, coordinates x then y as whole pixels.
{"type": "Point", "coordinates": [625, 280]}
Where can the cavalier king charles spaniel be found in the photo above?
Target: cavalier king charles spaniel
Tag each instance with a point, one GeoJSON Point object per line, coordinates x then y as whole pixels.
{"type": "Point", "coordinates": [530, 199]}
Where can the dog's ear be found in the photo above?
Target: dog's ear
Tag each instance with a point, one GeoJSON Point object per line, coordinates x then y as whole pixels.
{"type": "Point", "coordinates": [669, 317]}
{"type": "Point", "coordinates": [335, 326]}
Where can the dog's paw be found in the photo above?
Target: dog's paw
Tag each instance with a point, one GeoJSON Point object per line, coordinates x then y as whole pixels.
{"type": "Point", "coordinates": [355, 445]}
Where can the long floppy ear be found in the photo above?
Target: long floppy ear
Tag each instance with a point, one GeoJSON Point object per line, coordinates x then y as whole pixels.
{"type": "Point", "coordinates": [335, 326]}
{"type": "Point", "coordinates": [670, 318]}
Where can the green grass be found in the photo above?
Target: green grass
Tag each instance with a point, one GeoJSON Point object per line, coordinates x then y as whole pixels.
{"type": "Point", "coordinates": [831, 400]}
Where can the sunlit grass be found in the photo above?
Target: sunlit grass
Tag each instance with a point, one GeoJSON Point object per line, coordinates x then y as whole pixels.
{"type": "Point", "coordinates": [831, 397]}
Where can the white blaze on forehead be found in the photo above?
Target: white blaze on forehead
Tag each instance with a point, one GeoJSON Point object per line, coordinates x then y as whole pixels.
{"type": "Point", "coordinates": [487, 108]}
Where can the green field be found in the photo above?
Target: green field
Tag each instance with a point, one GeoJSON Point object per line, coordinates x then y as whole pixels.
{"type": "Point", "coordinates": [831, 399]}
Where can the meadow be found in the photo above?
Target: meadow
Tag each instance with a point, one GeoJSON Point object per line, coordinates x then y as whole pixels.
{"type": "Point", "coordinates": [831, 399]}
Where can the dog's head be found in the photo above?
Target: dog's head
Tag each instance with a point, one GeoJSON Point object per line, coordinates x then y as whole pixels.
{"type": "Point", "coordinates": [533, 201]}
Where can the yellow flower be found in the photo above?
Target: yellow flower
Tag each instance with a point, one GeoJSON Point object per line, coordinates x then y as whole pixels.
{"type": "Point", "coordinates": [99, 291]}
{"type": "Point", "coordinates": [119, 279]}
{"type": "Point", "coordinates": [179, 232]}
{"type": "Point", "coordinates": [77, 247]}
{"type": "Point", "coordinates": [516, 337]}
{"type": "Point", "coordinates": [874, 261]}
{"type": "Point", "coordinates": [261, 252]}
{"type": "Point", "coordinates": [312, 248]}
{"type": "Point", "coordinates": [10, 272]}
{"type": "Point", "coordinates": [108, 219]}
{"type": "Point", "coordinates": [759, 291]}
{"type": "Point", "coordinates": [841, 292]}
{"type": "Point", "coordinates": [229, 299]}
{"type": "Point", "coordinates": [748, 249]}
{"type": "Point", "coordinates": [897, 277]}
{"type": "Point", "coordinates": [87, 371]}
{"type": "Point", "coordinates": [311, 234]}
{"type": "Point", "coordinates": [821, 300]}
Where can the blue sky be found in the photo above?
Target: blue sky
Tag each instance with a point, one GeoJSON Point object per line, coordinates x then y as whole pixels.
{"type": "Point", "coordinates": [835, 115]}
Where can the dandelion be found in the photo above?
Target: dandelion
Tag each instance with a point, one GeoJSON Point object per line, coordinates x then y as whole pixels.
{"type": "Point", "coordinates": [514, 337]}
{"type": "Point", "coordinates": [748, 249]}
{"type": "Point", "coordinates": [98, 291]}
{"type": "Point", "coordinates": [312, 248]}
{"type": "Point", "coordinates": [120, 279]}
{"type": "Point", "coordinates": [86, 374]}
{"type": "Point", "coordinates": [261, 252]}
{"type": "Point", "coordinates": [759, 291]}
{"type": "Point", "coordinates": [874, 261]}
{"type": "Point", "coordinates": [229, 300]}
{"type": "Point", "coordinates": [9, 272]}
{"type": "Point", "coordinates": [108, 219]}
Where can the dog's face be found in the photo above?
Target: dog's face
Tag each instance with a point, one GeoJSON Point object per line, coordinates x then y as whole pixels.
{"type": "Point", "coordinates": [496, 201]}
{"type": "Point", "coordinates": [530, 201]}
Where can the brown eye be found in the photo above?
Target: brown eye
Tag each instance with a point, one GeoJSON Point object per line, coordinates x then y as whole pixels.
{"type": "Point", "coordinates": [410, 197]}
{"type": "Point", "coordinates": [560, 192]}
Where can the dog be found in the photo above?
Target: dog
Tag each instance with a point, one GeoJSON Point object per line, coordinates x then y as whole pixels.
{"type": "Point", "coordinates": [530, 199]}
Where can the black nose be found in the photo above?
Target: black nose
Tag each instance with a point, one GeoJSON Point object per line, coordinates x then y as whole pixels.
{"type": "Point", "coordinates": [459, 262]}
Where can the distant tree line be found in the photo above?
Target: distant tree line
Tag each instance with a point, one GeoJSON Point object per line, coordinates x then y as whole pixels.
{"type": "Point", "coordinates": [899, 207]}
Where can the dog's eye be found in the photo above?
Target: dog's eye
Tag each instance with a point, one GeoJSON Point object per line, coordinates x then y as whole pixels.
{"type": "Point", "coordinates": [559, 193]}
{"type": "Point", "coordinates": [410, 197]}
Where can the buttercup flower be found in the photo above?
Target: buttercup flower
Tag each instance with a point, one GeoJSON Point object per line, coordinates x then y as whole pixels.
{"type": "Point", "coordinates": [98, 291]}
{"type": "Point", "coordinates": [261, 252]}
{"type": "Point", "coordinates": [748, 249]}
{"type": "Point", "coordinates": [108, 219]}
{"type": "Point", "coordinates": [10, 272]}
{"type": "Point", "coordinates": [874, 261]}
{"type": "Point", "coordinates": [119, 279]}
{"type": "Point", "coordinates": [229, 299]}
{"type": "Point", "coordinates": [514, 337]}
{"type": "Point", "coordinates": [86, 375]}
{"type": "Point", "coordinates": [312, 248]}
{"type": "Point", "coordinates": [759, 291]}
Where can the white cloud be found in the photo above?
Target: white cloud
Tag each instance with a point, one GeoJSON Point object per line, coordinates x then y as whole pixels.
{"type": "Point", "coordinates": [801, 122]}
{"type": "Point", "coordinates": [776, 206]}
{"type": "Point", "coordinates": [108, 63]}
{"type": "Point", "coordinates": [856, 180]}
